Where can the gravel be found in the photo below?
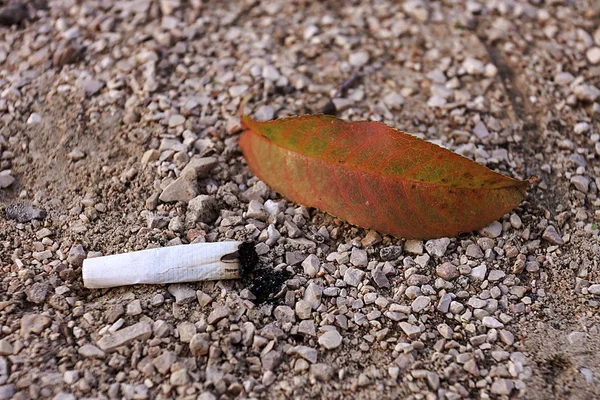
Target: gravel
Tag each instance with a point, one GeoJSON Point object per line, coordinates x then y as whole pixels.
{"type": "Point", "coordinates": [119, 132]}
{"type": "Point", "coordinates": [125, 336]}
{"type": "Point", "coordinates": [330, 339]}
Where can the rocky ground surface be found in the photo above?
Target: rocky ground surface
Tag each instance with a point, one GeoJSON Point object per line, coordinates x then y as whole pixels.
{"type": "Point", "coordinates": [118, 132]}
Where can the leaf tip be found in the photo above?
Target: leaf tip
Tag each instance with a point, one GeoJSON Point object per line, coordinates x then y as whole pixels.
{"type": "Point", "coordinates": [246, 121]}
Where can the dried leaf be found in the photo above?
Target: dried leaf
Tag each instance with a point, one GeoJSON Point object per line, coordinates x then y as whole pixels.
{"type": "Point", "coordinates": [374, 176]}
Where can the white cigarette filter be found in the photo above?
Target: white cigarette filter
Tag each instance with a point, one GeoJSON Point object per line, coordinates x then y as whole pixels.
{"type": "Point", "coordinates": [184, 263]}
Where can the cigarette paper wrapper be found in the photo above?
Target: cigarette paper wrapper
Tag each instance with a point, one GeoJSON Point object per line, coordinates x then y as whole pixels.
{"type": "Point", "coordinates": [184, 263]}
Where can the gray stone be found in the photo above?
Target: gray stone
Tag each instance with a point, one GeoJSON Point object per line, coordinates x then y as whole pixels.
{"type": "Point", "coordinates": [76, 155]}
{"type": "Point", "coordinates": [330, 339]}
{"type": "Point", "coordinates": [34, 323]}
{"type": "Point", "coordinates": [183, 294]}
{"type": "Point", "coordinates": [515, 221]}
{"type": "Point", "coordinates": [125, 336]}
{"type": "Point", "coordinates": [564, 78]}
{"type": "Point", "coordinates": [308, 353]}
{"type": "Point", "coordinates": [270, 331]}
{"type": "Point", "coordinates": [594, 289]}
{"type": "Point", "coordinates": [76, 255]}
{"type": "Point", "coordinates": [307, 327]}
{"type": "Point", "coordinates": [22, 212]}
{"type": "Point", "coordinates": [491, 322]}
{"type": "Point", "coordinates": [303, 309]}
{"type": "Point", "coordinates": [186, 331]}
{"type": "Point", "coordinates": [342, 104]}
{"type": "Point", "coordinates": [294, 257]}
{"type": "Point", "coordinates": [157, 221]}
{"type": "Point", "coordinates": [201, 209]}
{"type": "Point", "coordinates": [353, 276]}
{"type": "Point", "coordinates": [37, 292]}
{"type": "Point", "coordinates": [157, 300]}
{"type": "Point", "coordinates": [577, 339]}
{"type": "Point", "coordinates": [447, 271]}
{"type": "Point", "coordinates": [444, 303]}
{"type": "Point", "coordinates": [203, 298]}
{"type": "Point", "coordinates": [134, 307]}
{"type": "Point", "coordinates": [420, 303]}
{"type": "Point", "coordinates": [311, 265]}
{"type": "Point", "coordinates": [380, 278]}
{"type": "Point", "coordinates": [321, 372]}
{"type": "Point", "coordinates": [218, 314]}
{"type": "Point", "coordinates": [474, 251]}
{"type": "Point", "coordinates": [91, 351]}
{"type": "Point", "coordinates": [237, 90]}
{"type": "Point", "coordinates": [70, 377]}
{"type": "Point", "coordinates": [358, 257]}
{"type": "Point", "coordinates": [114, 313]}
{"type": "Point", "coordinates": [150, 156]}
{"type": "Point", "coordinates": [164, 362]}
{"type": "Point", "coordinates": [256, 210]}
{"type": "Point", "coordinates": [496, 275]}
{"type": "Point", "coordinates": [6, 349]}
{"type": "Point", "coordinates": [493, 230]}
{"type": "Point", "coordinates": [200, 344]}
{"type": "Point", "coordinates": [478, 273]}
{"type": "Point", "coordinates": [473, 66]}
{"type": "Point", "coordinates": [581, 183]}
{"type": "Point", "coordinates": [471, 367]}
{"type": "Point", "coordinates": [506, 337]}
{"type": "Point", "coordinates": [312, 295]}
{"type": "Point", "coordinates": [390, 253]}
{"type": "Point", "coordinates": [585, 92]}
{"type": "Point", "coordinates": [273, 235]}
{"type": "Point", "coordinates": [445, 330]}
{"type": "Point", "coordinates": [176, 120]}
{"type": "Point", "coordinates": [92, 86]}
{"type": "Point", "coordinates": [502, 387]}
{"type": "Point", "coordinates": [593, 55]}
{"type": "Point", "coordinates": [7, 392]}
{"type": "Point", "coordinates": [476, 303]}
{"type": "Point", "coordinates": [588, 374]}
{"type": "Point", "coordinates": [181, 189]}
{"type": "Point", "coordinates": [179, 378]}
{"type": "Point", "coordinates": [417, 280]}
{"type": "Point", "coordinates": [264, 113]}
{"type": "Point", "coordinates": [410, 330]}
{"type": "Point", "coordinates": [161, 328]}
{"type": "Point", "coordinates": [271, 73]}
{"type": "Point", "coordinates": [394, 100]}
{"type": "Point", "coordinates": [260, 191]}
{"type": "Point", "coordinates": [422, 260]}
{"type": "Point", "coordinates": [271, 360]}
{"type": "Point", "coordinates": [413, 247]}
{"type": "Point", "coordinates": [284, 314]}
{"type": "Point", "coordinates": [359, 58]}
{"type": "Point", "coordinates": [551, 235]}
{"type": "Point", "coordinates": [199, 167]}
{"type": "Point", "coordinates": [437, 247]}
{"type": "Point", "coordinates": [581, 127]}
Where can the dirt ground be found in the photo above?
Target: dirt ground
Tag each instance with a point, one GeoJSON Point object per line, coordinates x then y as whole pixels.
{"type": "Point", "coordinates": [102, 104]}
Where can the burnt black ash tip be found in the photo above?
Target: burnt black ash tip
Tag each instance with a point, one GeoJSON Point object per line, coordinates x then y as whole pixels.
{"type": "Point", "coordinates": [267, 283]}
{"type": "Point", "coordinates": [248, 259]}
{"type": "Point", "coordinates": [262, 281]}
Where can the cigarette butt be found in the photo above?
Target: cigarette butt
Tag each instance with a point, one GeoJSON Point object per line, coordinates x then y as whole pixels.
{"type": "Point", "coordinates": [175, 264]}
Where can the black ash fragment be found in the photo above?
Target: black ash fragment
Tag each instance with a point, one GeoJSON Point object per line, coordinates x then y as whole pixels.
{"type": "Point", "coordinates": [262, 281]}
